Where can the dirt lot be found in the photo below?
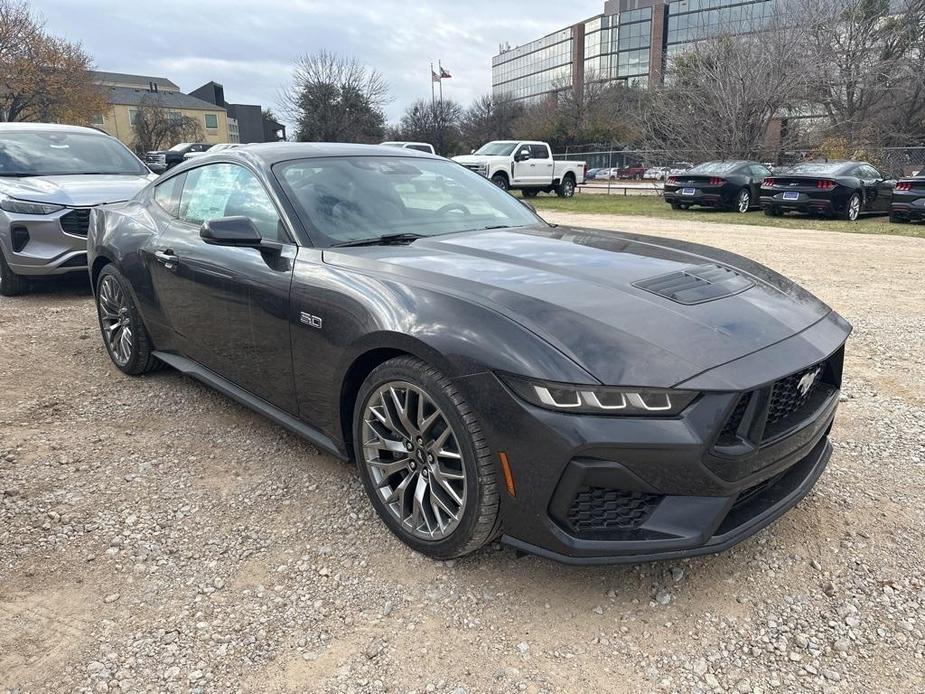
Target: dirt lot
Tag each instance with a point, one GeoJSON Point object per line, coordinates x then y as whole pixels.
{"type": "Point", "coordinates": [155, 536]}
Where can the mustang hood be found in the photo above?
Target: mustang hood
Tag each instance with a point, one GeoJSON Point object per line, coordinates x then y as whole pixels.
{"type": "Point", "coordinates": [74, 191]}
{"type": "Point", "coordinates": [631, 310]}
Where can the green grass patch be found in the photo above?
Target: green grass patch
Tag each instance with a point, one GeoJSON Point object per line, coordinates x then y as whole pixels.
{"type": "Point", "coordinates": [654, 206]}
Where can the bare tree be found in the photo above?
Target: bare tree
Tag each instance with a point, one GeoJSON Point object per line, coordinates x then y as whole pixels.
{"type": "Point", "coordinates": [720, 97]}
{"type": "Point", "coordinates": [436, 122]}
{"type": "Point", "coordinates": [156, 127]}
{"type": "Point", "coordinates": [43, 77]}
{"type": "Point", "coordinates": [490, 118]}
{"type": "Point", "coordinates": [868, 60]}
{"type": "Point", "coordinates": [335, 99]}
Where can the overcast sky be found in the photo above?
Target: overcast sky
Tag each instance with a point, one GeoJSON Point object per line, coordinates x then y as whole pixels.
{"type": "Point", "coordinates": [250, 46]}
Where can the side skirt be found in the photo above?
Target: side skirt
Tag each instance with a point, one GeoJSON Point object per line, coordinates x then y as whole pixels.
{"type": "Point", "coordinates": [284, 419]}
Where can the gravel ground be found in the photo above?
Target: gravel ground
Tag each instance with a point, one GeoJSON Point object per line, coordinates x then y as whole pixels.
{"type": "Point", "coordinates": [155, 536]}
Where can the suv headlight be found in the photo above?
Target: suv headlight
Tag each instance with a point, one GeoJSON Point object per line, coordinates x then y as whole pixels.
{"type": "Point", "coordinates": [26, 207]}
{"type": "Point", "coordinates": [602, 400]}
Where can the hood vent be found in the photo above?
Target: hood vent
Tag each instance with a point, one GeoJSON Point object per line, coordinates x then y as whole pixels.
{"type": "Point", "coordinates": [697, 284]}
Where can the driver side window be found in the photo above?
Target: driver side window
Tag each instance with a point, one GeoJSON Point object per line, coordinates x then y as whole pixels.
{"type": "Point", "coordinates": [229, 190]}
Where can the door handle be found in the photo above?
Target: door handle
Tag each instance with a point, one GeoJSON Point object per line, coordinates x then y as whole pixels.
{"type": "Point", "coordinates": [166, 258]}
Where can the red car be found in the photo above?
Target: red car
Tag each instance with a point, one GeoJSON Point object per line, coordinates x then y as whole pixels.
{"type": "Point", "coordinates": [634, 172]}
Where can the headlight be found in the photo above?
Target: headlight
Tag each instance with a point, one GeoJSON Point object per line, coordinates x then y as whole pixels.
{"type": "Point", "coordinates": [605, 400]}
{"type": "Point", "coordinates": [25, 207]}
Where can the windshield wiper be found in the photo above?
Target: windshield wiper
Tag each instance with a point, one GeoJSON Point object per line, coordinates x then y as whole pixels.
{"type": "Point", "coordinates": [387, 240]}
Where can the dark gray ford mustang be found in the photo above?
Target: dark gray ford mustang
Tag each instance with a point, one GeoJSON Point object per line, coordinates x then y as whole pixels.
{"type": "Point", "coordinates": [588, 396]}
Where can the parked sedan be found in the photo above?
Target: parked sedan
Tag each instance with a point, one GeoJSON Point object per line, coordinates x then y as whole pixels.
{"type": "Point", "coordinates": [727, 185]}
{"type": "Point", "coordinates": [588, 396]}
{"type": "Point", "coordinates": [908, 203]}
{"type": "Point", "coordinates": [844, 189]}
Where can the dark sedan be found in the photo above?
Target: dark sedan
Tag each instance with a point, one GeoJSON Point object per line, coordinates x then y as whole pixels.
{"type": "Point", "coordinates": [908, 203]}
{"type": "Point", "coordinates": [728, 185]}
{"type": "Point", "coordinates": [843, 189]}
{"type": "Point", "coordinates": [589, 396]}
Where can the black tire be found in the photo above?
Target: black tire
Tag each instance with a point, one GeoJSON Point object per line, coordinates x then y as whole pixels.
{"type": "Point", "coordinates": [772, 212]}
{"type": "Point", "coordinates": [140, 360]}
{"type": "Point", "coordinates": [480, 518]}
{"type": "Point", "coordinates": [566, 189]}
{"type": "Point", "coordinates": [853, 208]}
{"type": "Point", "coordinates": [530, 192]}
{"type": "Point", "coordinates": [896, 219]}
{"type": "Point", "coordinates": [11, 284]}
{"type": "Point", "coordinates": [501, 181]}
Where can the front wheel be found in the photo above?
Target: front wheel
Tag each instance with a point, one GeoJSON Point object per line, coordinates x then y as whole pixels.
{"type": "Point", "coordinates": [501, 181]}
{"type": "Point", "coordinates": [124, 333]}
{"type": "Point", "coordinates": [853, 208]}
{"type": "Point", "coordinates": [11, 284]}
{"type": "Point", "coordinates": [567, 188]}
{"type": "Point", "coordinates": [424, 460]}
{"type": "Point", "coordinates": [744, 201]}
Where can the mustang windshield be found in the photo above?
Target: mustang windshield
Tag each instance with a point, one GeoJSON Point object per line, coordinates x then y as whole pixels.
{"type": "Point", "coordinates": [59, 153]}
{"type": "Point", "coordinates": [348, 199]}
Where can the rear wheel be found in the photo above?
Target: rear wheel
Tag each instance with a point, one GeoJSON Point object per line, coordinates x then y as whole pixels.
{"type": "Point", "coordinates": [566, 189]}
{"type": "Point", "coordinates": [743, 201]}
{"type": "Point", "coordinates": [424, 461]}
{"type": "Point", "coordinates": [853, 208]}
{"type": "Point", "coordinates": [501, 181]}
{"type": "Point", "coordinates": [11, 284]}
{"type": "Point", "coordinates": [123, 331]}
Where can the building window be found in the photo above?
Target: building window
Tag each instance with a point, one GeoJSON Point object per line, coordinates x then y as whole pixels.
{"type": "Point", "coordinates": [132, 115]}
{"type": "Point", "coordinates": [211, 121]}
{"type": "Point", "coordinates": [97, 119]}
{"type": "Point", "coordinates": [174, 116]}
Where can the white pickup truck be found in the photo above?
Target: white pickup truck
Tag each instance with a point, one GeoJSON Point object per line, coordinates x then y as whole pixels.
{"type": "Point", "coordinates": [526, 166]}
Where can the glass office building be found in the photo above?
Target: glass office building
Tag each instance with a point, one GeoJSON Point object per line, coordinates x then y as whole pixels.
{"type": "Point", "coordinates": [629, 42]}
{"type": "Point", "coordinates": [539, 67]}
{"type": "Point", "coordinates": [689, 21]}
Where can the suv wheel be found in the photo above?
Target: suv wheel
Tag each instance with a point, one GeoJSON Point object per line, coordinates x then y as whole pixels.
{"type": "Point", "coordinates": [424, 461]}
{"type": "Point", "coordinates": [11, 284]}
{"type": "Point", "coordinates": [124, 333]}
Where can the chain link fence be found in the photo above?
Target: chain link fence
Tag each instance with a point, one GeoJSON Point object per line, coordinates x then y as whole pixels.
{"type": "Point", "coordinates": [892, 161]}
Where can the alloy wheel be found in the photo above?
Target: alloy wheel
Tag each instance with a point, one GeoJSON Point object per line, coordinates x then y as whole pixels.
{"type": "Point", "coordinates": [854, 208]}
{"type": "Point", "coordinates": [414, 460]}
{"type": "Point", "coordinates": [745, 201]}
{"type": "Point", "coordinates": [115, 319]}
{"type": "Point", "coordinates": [568, 188]}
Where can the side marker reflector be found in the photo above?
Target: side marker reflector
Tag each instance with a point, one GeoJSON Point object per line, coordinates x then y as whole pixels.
{"type": "Point", "coordinates": [508, 477]}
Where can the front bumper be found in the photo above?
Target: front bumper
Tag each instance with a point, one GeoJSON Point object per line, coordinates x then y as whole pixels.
{"type": "Point", "coordinates": [38, 245]}
{"type": "Point", "coordinates": [604, 490]}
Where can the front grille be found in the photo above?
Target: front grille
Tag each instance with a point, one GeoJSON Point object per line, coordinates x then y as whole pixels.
{"type": "Point", "coordinates": [76, 222]}
{"type": "Point", "coordinates": [481, 170]}
{"type": "Point", "coordinates": [790, 394]}
{"type": "Point", "coordinates": [601, 508]}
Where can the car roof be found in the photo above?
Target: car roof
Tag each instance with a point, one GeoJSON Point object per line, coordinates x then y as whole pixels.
{"type": "Point", "coordinates": [270, 153]}
{"type": "Point", "coordinates": [48, 127]}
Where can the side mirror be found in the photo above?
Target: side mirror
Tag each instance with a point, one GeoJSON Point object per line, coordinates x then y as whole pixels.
{"type": "Point", "coordinates": [231, 231]}
{"type": "Point", "coordinates": [524, 155]}
{"type": "Point", "coordinates": [472, 152]}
